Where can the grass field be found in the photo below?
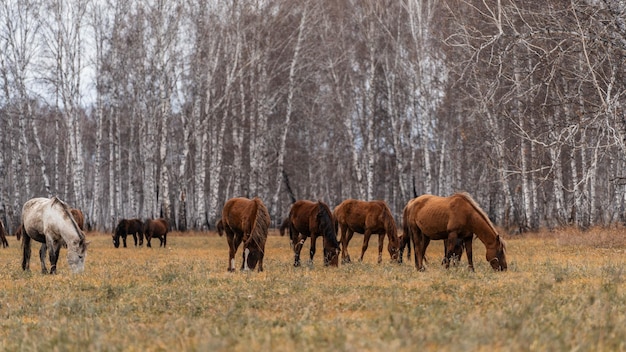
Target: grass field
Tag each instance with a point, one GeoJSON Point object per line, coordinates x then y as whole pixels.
{"type": "Point", "coordinates": [564, 290]}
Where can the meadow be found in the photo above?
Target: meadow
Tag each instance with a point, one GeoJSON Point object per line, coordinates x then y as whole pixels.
{"type": "Point", "coordinates": [564, 290]}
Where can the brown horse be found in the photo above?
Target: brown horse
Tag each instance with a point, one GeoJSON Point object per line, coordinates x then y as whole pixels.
{"type": "Point", "coordinates": [79, 217]}
{"type": "Point", "coordinates": [313, 219]}
{"type": "Point", "coordinates": [156, 228]}
{"type": "Point", "coordinates": [3, 235]}
{"type": "Point", "coordinates": [368, 218]}
{"type": "Point", "coordinates": [405, 242]}
{"type": "Point", "coordinates": [246, 220]}
{"type": "Point", "coordinates": [456, 217]}
{"type": "Point", "coordinates": [50, 222]}
{"type": "Point", "coordinates": [127, 227]}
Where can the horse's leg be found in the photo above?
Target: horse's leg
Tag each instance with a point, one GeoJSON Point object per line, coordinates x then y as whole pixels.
{"type": "Point", "coordinates": [26, 252]}
{"type": "Point", "coordinates": [420, 244]}
{"type": "Point", "coordinates": [148, 240]}
{"type": "Point", "coordinates": [233, 244]}
{"type": "Point", "coordinates": [345, 241]}
{"type": "Point", "coordinates": [297, 248]}
{"type": "Point", "coordinates": [135, 238]}
{"type": "Point", "coordinates": [165, 240]}
{"type": "Point", "coordinates": [53, 252]}
{"type": "Point", "coordinates": [124, 239]}
{"type": "Point", "coordinates": [468, 251]}
{"type": "Point", "coordinates": [42, 258]}
{"type": "Point", "coordinates": [344, 245]}
{"type": "Point", "coordinates": [366, 241]}
{"type": "Point", "coordinates": [313, 247]}
{"type": "Point", "coordinates": [381, 241]}
{"type": "Point", "coordinates": [449, 244]}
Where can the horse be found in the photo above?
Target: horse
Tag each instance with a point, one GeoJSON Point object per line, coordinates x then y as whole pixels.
{"type": "Point", "coordinates": [79, 217]}
{"type": "Point", "coordinates": [156, 228]}
{"type": "Point", "coordinates": [405, 242]}
{"type": "Point", "coordinates": [50, 222]}
{"type": "Point", "coordinates": [313, 219]}
{"type": "Point", "coordinates": [373, 217]}
{"type": "Point", "coordinates": [246, 220]}
{"type": "Point", "coordinates": [127, 227]}
{"type": "Point", "coordinates": [456, 217]}
{"type": "Point", "coordinates": [3, 235]}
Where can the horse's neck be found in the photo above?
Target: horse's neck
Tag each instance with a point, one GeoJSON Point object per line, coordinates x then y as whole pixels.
{"type": "Point", "coordinates": [483, 230]}
{"type": "Point", "coordinates": [64, 227]}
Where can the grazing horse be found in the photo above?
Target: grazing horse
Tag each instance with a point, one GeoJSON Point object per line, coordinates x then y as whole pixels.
{"type": "Point", "coordinates": [368, 218]}
{"type": "Point", "coordinates": [246, 220]}
{"type": "Point", "coordinates": [405, 241]}
{"type": "Point", "coordinates": [156, 228]}
{"type": "Point", "coordinates": [456, 217]}
{"type": "Point", "coordinates": [50, 222]}
{"type": "Point", "coordinates": [3, 235]}
{"type": "Point", "coordinates": [313, 219]}
{"type": "Point", "coordinates": [127, 227]}
{"type": "Point", "coordinates": [79, 217]}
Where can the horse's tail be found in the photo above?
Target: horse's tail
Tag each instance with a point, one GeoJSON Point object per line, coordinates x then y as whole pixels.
{"type": "Point", "coordinates": [220, 227]}
{"type": "Point", "coordinates": [326, 224]}
{"type": "Point", "coordinates": [406, 236]}
{"type": "Point", "coordinates": [25, 250]}
{"type": "Point", "coordinates": [284, 226]}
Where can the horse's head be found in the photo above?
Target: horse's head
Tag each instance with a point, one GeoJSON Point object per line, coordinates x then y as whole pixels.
{"type": "Point", "coordinates": [76, 253]}
{"type": "Point", "coordinates": [394, 250]}
{"type": "Point", "coordinates": [331, 256]}
{"type": "Point", "coordinates": [496, 255]}
{"type": "Point", "coordinates": [118, 232]}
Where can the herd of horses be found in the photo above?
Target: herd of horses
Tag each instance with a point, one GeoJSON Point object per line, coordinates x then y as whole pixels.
{"type": "Point", "coordinates": [455, 219]}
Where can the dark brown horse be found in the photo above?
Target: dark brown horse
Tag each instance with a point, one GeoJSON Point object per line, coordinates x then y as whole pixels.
{"type": "Point", "coordinates": [313, 219]}
{"type": "Point", "coordinates": [156, 228]}
{"type": "Point", "coordinates": [3, 235]}
{"type": "Point", "coordinates": [79, 217]}
{"type": "Point", "coordinates": [246, 220]}
{"type": "Point", "coordinates": [368, 218]}
{"type": "Point", "coordinates": [127, 227]}
{"type": "Point", "coordinates": [456, 217]}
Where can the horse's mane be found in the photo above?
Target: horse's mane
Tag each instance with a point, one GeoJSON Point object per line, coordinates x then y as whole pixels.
{"type": "Point", "coordinates": [482, 213]}
{"type": "Point", "coordinates": [390, 223]}
{"type": "Point", "coordinates": [67, 214]}
{"type": "Point", "coordinates": [326, 224]}
{"type": "Point", "coordinates": [261, 220]}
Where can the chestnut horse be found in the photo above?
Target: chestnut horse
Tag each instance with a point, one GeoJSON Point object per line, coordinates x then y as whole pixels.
{"type": "Point", "coordinates": [50, 222]}
{"type": "Point", "coordinates": [127, 227]}
{"type": "Point", "coordinates": [405, 242]}
{"type": "Point", "coordinates": [246, 220]}
{"type": "Point", "coordinates": [3, 235]}
{"type": "Point", "coordinates": [431, 217]}
{"type": "Point", "coordinates": [156, 228]}
{"type": "Point", "coordinates": [368, 218]}
{"type": "Point", "coordinates": [312, 219]}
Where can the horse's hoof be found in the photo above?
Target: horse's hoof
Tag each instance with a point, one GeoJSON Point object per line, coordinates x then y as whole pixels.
{"type": "Point", "coordinates": [231, 270]}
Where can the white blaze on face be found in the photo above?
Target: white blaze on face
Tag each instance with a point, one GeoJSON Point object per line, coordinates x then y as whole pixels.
{"type": "Point", "coordinates": [245, 259]}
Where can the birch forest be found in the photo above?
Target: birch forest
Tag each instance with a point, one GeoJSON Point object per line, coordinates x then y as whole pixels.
{"type": "Point", "coordinates": [167, 108]}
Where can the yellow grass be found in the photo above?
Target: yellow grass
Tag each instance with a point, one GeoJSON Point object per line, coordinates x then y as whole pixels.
{"type": "Point", "coordinates": [564, 291]}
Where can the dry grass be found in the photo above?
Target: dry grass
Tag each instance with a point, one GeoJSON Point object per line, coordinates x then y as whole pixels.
{"type": "Point", "coordinates": [564, 291]}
